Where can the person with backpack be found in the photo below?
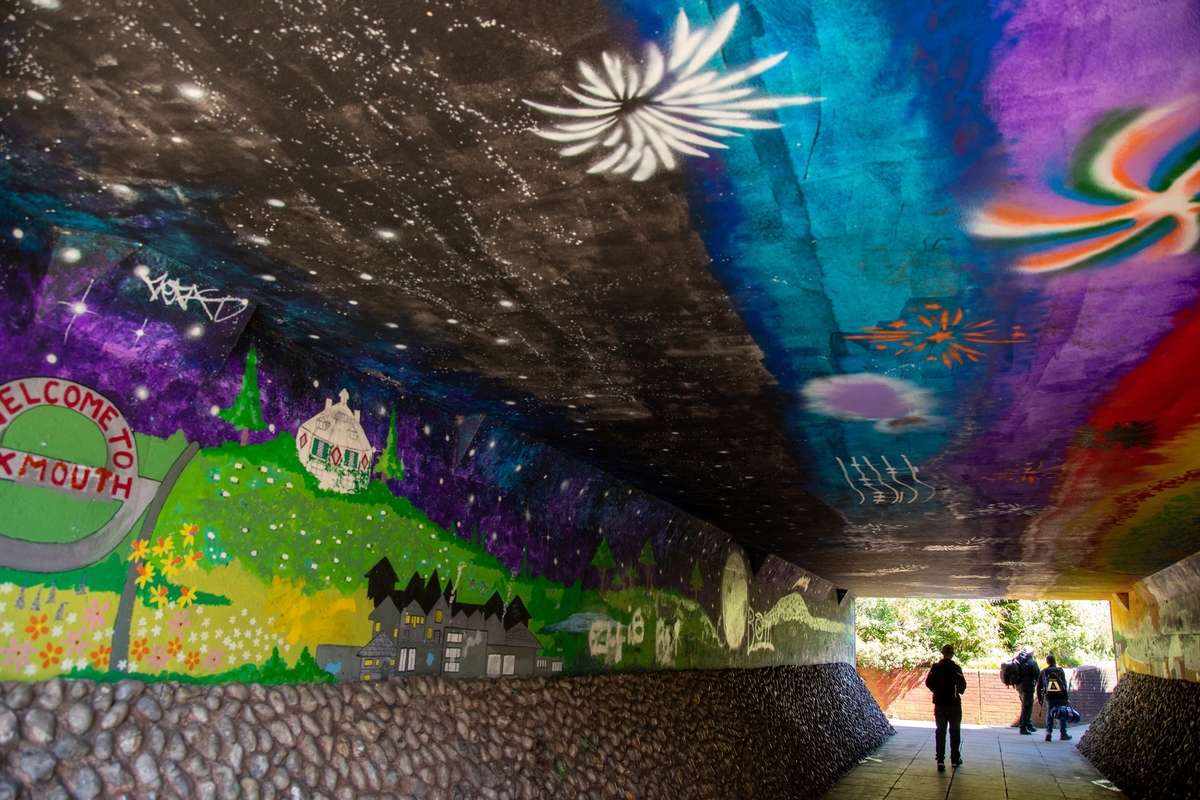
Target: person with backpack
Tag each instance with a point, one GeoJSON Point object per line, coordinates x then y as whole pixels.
{"type": "Point", "coordinates": [946, 681]}
{"type": "Point", "coordinates": [1052, 688]}
{"type": "Point", "coordinates": [1026, 678]}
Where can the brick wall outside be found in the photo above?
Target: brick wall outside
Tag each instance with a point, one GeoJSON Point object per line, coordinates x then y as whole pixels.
{"type": "Point", "coordinates": [902, 694]}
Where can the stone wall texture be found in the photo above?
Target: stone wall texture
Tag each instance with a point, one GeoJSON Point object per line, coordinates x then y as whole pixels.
{"type": "Point", "coordinates": [772, 732]}
{"type": "Point", "coordinates": [902, 694]}
{"type": "Point", "coordinates": [1147, 739]}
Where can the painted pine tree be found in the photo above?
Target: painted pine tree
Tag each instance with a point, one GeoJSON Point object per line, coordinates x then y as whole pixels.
{"type": "Point", "coordinates": [246, 412]}
{"type": "Point", "coordinates": [646, 559]}
{"type": "Point", "coordinates": [390, 467]}
{"type": "Point", "coordinates": [603, 561]}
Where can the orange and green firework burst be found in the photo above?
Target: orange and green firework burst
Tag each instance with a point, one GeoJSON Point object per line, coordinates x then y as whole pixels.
{"type": "Point", "coordinates": [1139, 174]}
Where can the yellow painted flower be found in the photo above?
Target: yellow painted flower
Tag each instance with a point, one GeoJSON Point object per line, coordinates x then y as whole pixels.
{"type": "Point", "coordinates": [188, 532]}
{"type": "Point", "coordinates": [187, 596]}
{"type": "Point", "coordinates": [193, 560]}
{"type": "Point", "coordinates": [165, 545]}
{"type": "Point", "coordinates": [145, 574]}
{"type": "Point", "coordinates": [160, 596]}
{"type": "Point", "coordinates": [170, 566]}
{"type": "Point", "coordinates": [141, 549]}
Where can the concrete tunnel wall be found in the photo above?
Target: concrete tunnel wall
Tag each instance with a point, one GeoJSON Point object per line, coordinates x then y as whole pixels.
{"type": "Point", "coordinates": [1147, 739]}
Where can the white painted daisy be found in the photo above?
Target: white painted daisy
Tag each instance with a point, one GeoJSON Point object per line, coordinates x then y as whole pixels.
{"type": "Point", "coordinates": [646, 113]}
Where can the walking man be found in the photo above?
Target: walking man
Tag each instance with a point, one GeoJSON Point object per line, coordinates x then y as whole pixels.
{"type": "Point", "coordinates": [1052, 687]}
{"type": "Point", "coordinates": [946, 681]}
{"type": "Point", "coordinates": [1027, 676]}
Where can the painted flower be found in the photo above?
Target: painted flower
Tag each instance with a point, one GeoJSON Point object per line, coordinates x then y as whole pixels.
{"type": "Point", "coordinates": [174, 647]}
{"type": "Point", "coordinates": [179, 621]}
{"type": "Point", "coordinates": [51, 655]}
{"type": "Point", "coordinates": [188, 532]}
{"type": "Point", "coordinates": [100, 656]}
{"type": "Point", "coordinates": [37, 626]}
{"type": "Point", "coordinates": [193, 560]}
{"type": "Point", "coordinates": [95, 614]}
{"type": "Point", "coordinates": [170, 567]}
{"type": "Point", "coordinates": [164, 546]}
{"type": "Point", "coordinates": [17, 653]}
{"type": "Point", "coordinates": [160, 596]}
{"type": "Point", "coordinates": [192, 660]}
{"type": "Point", "coordinates": [139, 649]}
{"type": "Point", "coordinates": [215, 659]}
{"type": "Point", "coordinates": [187, 596]}
{"type": "Point", "coordinates": [141, 550]}
{"type": "Point", "coordinates": [145, 574]}
{"type": "Point", "coordinates": [157, 659]}
{"type": "Point", "coordinates": [1140, 173]}
{"type": "Point", "coordinates": [75, 642]}
{"type": "Point", "coordinates": [646, 113]}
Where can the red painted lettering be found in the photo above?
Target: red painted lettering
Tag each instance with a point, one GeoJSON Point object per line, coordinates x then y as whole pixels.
{"type": "Point", "coordinates": [104, 475]}
{"type": "Point", "coordinates": [46, 393]}
{"type": "Point", "coordinates": [80, 485]}
{"type": "Point", "coordinates": [122, 487]}
{"type": "Point", "coordinates": [5, 458]}
{"type": "Point", "coordinates": [124, 437]}
{"type": "Point", "coordinates": [33, 401]}
{"type": "Point", "coordinates": [71, 400]}
{"type": "Point", "coordinates": [54, 474]}
{"type": "Point", "coordinates": [122, 459]}
{"type": "Point", "coordinates": [92, 401]}
{"type": "Point", "coordinates": [34, 463]}
{"type": "Point", "coordinates": [11, 405]}
{"type": "Point", "coordinates": [110, 412]}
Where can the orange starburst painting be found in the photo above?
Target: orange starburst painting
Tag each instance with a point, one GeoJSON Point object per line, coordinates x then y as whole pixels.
{"type": "Point", "coordinates": [938, 334]}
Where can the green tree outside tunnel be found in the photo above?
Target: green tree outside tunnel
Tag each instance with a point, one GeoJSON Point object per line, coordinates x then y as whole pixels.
{"type": "Point", "coordinates": [908, 633]}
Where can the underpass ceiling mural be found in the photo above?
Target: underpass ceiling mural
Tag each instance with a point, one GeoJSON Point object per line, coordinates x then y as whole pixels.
{"type": "Point", "coordinates": [904, 292]}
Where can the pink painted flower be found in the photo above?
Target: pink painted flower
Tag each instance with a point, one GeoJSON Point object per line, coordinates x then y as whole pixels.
{"type": "Point", "coordinates": [214, 659]}
{"type": "Point", "coordinates": [95, 615]}
{"type": "Point", "coordinates": [17, 653]}
{"type": "Point", "coordinates": [76, 642]}
{"type": "Point", "coordinates": [157, 659]}
{"type": "Point", "coordinates": [179, 621]}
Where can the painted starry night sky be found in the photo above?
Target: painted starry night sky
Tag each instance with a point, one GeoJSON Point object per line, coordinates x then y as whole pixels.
{"type": "Point", "coordinates": [910, 306]}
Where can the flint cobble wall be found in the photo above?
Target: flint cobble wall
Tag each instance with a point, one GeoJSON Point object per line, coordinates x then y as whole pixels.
{"type": "Point", "coordinates": [774, 732]}
{"type": "Point", "coordinates": [1147, 739]}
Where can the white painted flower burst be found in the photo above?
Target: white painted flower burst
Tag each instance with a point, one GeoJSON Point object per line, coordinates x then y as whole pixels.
{"type": "Point", "coordinates": [646, 113]}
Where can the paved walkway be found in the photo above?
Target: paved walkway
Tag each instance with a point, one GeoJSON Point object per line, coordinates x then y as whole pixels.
{"type": "Point", "coordinates": [997, 763]}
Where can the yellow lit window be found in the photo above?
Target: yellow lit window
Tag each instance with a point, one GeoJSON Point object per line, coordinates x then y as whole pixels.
{"type": "Point", "coordinates": [366, 662]}
{"type": "Point", "coordinates": [438, 616]}
{"type": "Point", "coordinates": [377, 626]}
{"type": "Point", "coordinates": [429, 633]}
{"type": "Point", "coordinates": [366, 677]}
{"type": "Point", "coordinates": [407, 619]}
{"type": "Point", "coordinates": [395, 632]}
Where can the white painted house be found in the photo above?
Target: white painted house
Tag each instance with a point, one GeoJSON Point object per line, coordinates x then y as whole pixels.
{"type": "Point", "coordinates": [334, 447]}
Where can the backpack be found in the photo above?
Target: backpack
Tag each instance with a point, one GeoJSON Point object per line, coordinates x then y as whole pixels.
{"type": "Point", "coordinates": [1053, 684]}
{"type": "Point", "coordinates": [1010, 672]}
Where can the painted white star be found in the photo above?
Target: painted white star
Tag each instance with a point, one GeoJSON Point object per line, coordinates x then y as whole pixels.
{"type": "Point", "coordinates": [77, 308]}
{"type": "Point", "coordinates": [645, 113]}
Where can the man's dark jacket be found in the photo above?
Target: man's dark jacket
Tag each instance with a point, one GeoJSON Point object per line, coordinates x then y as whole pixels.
{"type": "Point", "coordinates": [1027, 672]}
{"type": "Point", "coordinates": [946, 681]}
